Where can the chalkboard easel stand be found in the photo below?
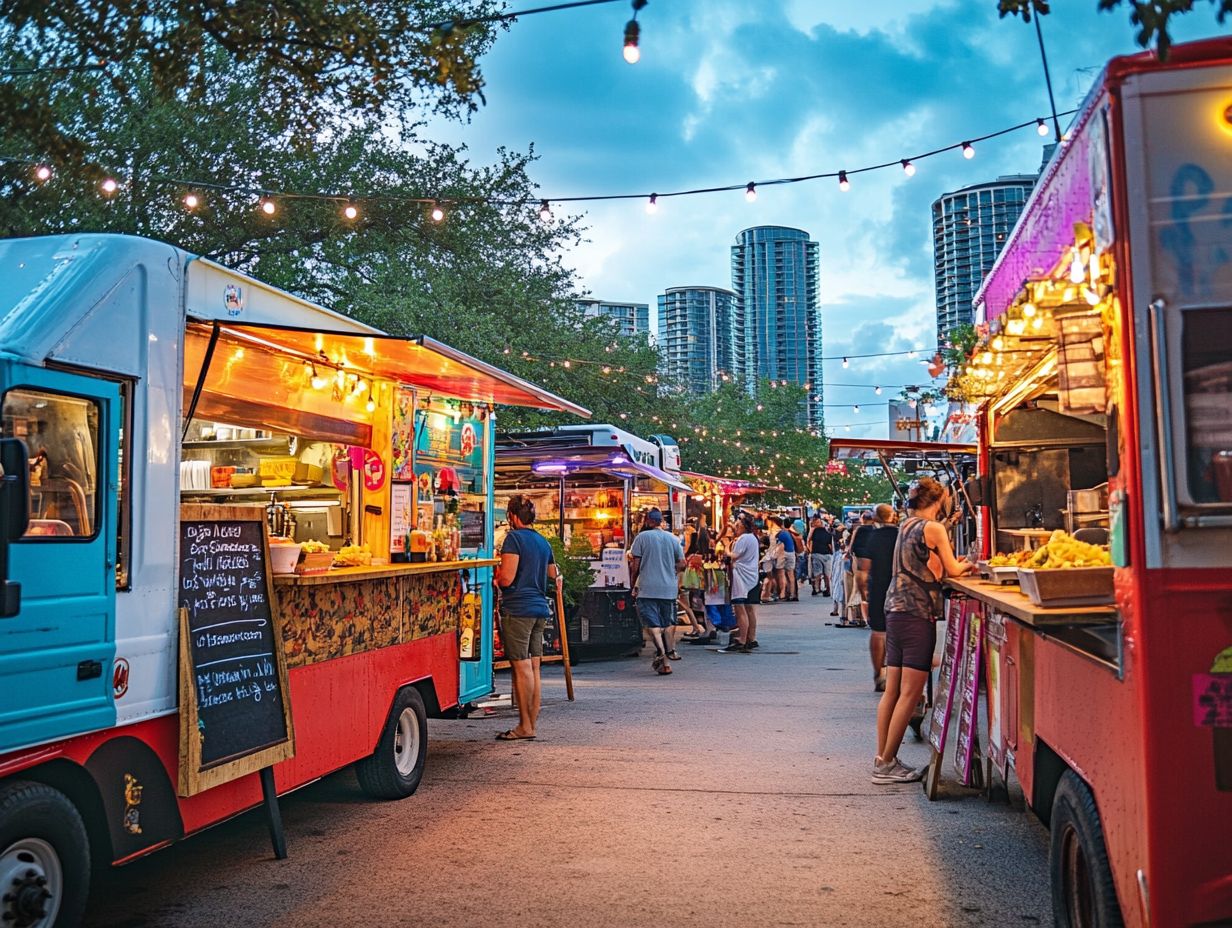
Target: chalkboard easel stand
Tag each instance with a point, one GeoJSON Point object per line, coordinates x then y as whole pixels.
{"type": "Point", "coordinates": [269, 796]}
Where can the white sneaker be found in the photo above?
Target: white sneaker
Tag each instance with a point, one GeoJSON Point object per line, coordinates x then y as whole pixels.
{"type": "Point", "coordinates": [895, 771]}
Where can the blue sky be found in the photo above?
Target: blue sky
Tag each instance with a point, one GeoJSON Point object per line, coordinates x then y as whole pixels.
{"type": "Point", "coordinates": [729, 91]}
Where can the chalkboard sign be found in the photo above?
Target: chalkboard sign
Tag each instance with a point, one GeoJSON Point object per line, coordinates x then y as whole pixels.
{"type": "Point", "coordinates": [234, 709]}
{"type": "Point", "coordinates": [947, 676]}
{"type": "Point", "coordinates": [472, 528]}
{"type": "Point", "coordinates": [968, 693]}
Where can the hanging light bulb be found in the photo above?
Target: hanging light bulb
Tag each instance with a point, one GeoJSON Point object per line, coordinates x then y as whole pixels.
{"type": "Point", "coordinates": [191, 200]}
{"type": "Point", "coordinates": [750, 192]}
{"type": "Point", "coordinates": [846, 363]}
{"type": "Point", "coordinates": [843, 184]}
{"type": "Point", "coordinates": [318, 382]}
{"type": "Point", "coordinates": [998, 343]}
{"type": "Point", "coordinates": [109, 186]}
{"type": "Point", "coordinates": [438, 213]}
{"type": "Point", "coordinates": [1077, 272]}
{"type": "Point", "coordinates": [267, 206]}
{"type": "Point", "coordinates": [1037, 323]}
{"type": "Point", "coordinates": [856, 410]}
{"type": "Point", "coordinates": [908, 168]}
{"type": "Point", "coordinates": [1096, 270]}
{"type": "Point", "coordinates": [1040, 127]}
{"type": "Point", "coordinates": [42, 173]}
{"type": "Point", "coordinates": [545, 211]}
{"type": "Point", "coordinates": [877, 390]}
{"type": "Point", "coordinates": [350, 211]}
{"type": "Point", "coordinates": [652, 205]}
{"type": "Point", "coordinates": [371, 404]}
{"type": "Point", "coordinates": [911, 355]}
{"type": "Point", "coordinates": [968, 150]}
{"type": "Point", "coordinates": [632, 53]}
{"type": "Point", "coordinates": [986, 358]}
{"type": "Point", "coordinates": [1028, 310]}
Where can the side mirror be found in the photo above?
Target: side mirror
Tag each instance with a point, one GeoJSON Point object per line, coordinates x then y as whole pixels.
{"type": "Point", "coordinates": [14, 516]}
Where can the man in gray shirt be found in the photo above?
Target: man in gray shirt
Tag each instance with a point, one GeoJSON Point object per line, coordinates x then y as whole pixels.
{"type": "Point", "coordinates": [654, 571]}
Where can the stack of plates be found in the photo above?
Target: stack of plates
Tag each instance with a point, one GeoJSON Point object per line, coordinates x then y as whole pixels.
{"type": "Point", "coordinates": [195, 475]}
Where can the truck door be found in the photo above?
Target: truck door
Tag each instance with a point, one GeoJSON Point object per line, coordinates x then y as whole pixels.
{"type": "Point", "coordinates": [56, 653]}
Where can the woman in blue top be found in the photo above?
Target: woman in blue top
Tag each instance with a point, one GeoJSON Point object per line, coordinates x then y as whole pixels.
{"type": "Point", "coordinates": [525, 568]}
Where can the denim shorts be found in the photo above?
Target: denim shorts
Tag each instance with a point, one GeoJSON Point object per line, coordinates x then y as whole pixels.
{"type": "Point", "coordinates": [522, 637]}
{"type": "Point", "coordinates": [656, 613]}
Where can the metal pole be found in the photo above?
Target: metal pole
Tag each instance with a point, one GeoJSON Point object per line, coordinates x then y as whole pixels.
{"type": "Point", "coordinates": [1056, 123]}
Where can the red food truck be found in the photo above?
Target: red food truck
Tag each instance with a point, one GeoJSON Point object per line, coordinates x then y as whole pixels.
{"type": "Point", "coordinates": [1104, 378]}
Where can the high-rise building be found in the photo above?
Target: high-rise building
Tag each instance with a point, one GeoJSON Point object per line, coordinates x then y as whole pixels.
{"type": "Point", "coordinates": [701, 337]}
{"type": "Point", "coordinates": [775, 277]}
{"type": "Point", "coordinates": [632, 318]}
{"type": "Point", "coordinates": [970, 227]}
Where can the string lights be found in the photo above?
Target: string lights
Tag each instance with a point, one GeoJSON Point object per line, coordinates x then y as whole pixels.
{"type": "Point", "coordinates": [652, 205]}
{"type": "Point", "coordinates": [44, 173]}
{"type": "Point", "coordinates": [632, 53]}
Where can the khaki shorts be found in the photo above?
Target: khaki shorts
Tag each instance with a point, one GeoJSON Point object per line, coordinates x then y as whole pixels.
{"type": "Point", "coordinates": [522, 637]}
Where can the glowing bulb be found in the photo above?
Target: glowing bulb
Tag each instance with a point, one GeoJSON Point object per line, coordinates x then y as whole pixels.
{"type": "Point", "coordinates": [1077, 273]}
{"type": "Point", "coordinates": [437, 214]}
{"type": "Point", "coordinates": [908, 168]}
{"type": "Point", "coordinates": [877, 390]}
{"type": "Point", "coordinates": [42, 173]}
{"type": "Point", "coordinates": [109, 186]}
{"type": "Point", "coordinates": [1037, 323]}
{"type": "Point", "coordinates": [632, 53]}
{"type": "Point", "coordinates": [350, 212]}
{"type": "Point", "coordinates": [856, 410]}
{"type": "Point", "coordinates": [968, 150]}
{"type": "Point", "coordinates": [371, 404]}
{"type": "Point", "coordinates": [986, 357]}
{"type": "Point", "coordinates": [191, 201]}
{"type": "Point", "coordinates": [1090, 296]}
{"type": "Point", "coordinates": [1096, 271]}
{"type": "Point", "coordinates": [652, 205]}
{"type": "Point", "coordinates": [1040, 127]}
{"type": "Point", "coordinates": [545, 211]}
{"type": "Point", "coordinates": [1028, 310]}
{"type": "Point", "coordinates": [843, 184]}
{"type": "Point", "coordinates": [998, 343]}
{"type": "Point", "coordinates": [268, 207]}
{"type": "Point", "coordinates": [318, 382]}
{"type": "Point", "coordinates": [750, 192]}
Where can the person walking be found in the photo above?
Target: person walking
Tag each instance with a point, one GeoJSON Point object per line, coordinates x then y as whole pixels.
{"type": "Point", "coordinates": [784, 547]}
{"type": "Point", "coordinates": [526, 565]}
{"type": "Point", "coordinates": [746, 585]}
{"type": "Point", "coordinates": [879, 551]}
{"type": "Point", "coordinates": [922, 557]}
{"type": "Point", "coordinates": [859, 560]}
{"type": "Point", "coordinates": [821, 549]}
{"type": "Point", "coordinates": [657, 560]}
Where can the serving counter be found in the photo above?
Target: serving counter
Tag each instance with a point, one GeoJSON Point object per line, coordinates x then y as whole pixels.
{"type": "Point", "coordinates": [1010, 600]}
{"type": "Point", "coordinates": [351, 610]}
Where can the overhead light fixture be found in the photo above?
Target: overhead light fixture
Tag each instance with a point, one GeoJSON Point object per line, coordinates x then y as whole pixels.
{"type": "Point", "coordinates": [191, 200]}
{"type": "Point", "coordinates": [843, 183]}
{"type": "Point", "coordinates": [42, 173]}
{"type": "Point", "coordinates": [632, 53]}
{"type": "Point", "coordinates": [652, 205]}
{"type": "Point", "coordinates": [109, 186]}
{"type": "Point", "coordinates": [438, 214]}
{"type": "Point", "coordinates": [350, 211]}
{"type": "Point", "coordinates": [750, 192]}
{"type": "Point", "coordinates": [267, 206]}
{"type": "Point", "coordinates": [545, 211]}
{"type": "Point", "coordinates": [968, 150]}
{"type": "Point", "coordinates": [908, 167]}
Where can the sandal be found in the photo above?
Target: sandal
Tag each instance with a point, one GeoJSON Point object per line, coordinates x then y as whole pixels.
{"type": "Point", "coordinates": [663, 669]}
{"type": "Point", "coordinates": [511, 735]}
{"type": "Point", "coordinates": [673, 656]}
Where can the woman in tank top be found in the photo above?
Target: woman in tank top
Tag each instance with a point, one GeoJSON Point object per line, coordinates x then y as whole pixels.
{"type": "Point", "coordinates": [922, 556]}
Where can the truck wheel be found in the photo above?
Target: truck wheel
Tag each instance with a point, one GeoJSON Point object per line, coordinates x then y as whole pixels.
{"type": "Point", "coordinates": [44, 857]}
{"type": "Point", "coordinates": [1083, 894]}
{"type": "Point", "coordinates": [394, 769]}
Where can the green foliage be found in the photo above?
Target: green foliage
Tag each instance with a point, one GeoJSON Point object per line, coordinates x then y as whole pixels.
{"type": "Point", "coordinates": [574, 565]}
{"type": "Point", "coordinates": [1150, 16]}
{"type": "Point", "coordinates": [314, 59]}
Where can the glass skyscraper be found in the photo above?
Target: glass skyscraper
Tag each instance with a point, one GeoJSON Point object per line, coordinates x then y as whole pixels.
{"type": "Point", "coordinates": [775, 277]}
{"type": "Point", "coordinates": [631, 318]}
{"type": "Point", "coordinates": [701, 337]}
{"type": "Point", "coordinates": [970, 227]}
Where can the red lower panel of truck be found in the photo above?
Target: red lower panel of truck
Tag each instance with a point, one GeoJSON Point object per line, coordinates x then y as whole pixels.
{"type": "Point", "coordinates": [338, 709]}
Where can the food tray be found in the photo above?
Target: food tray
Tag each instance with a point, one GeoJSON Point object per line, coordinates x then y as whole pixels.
{"type": "Point", "coordinates": [315, 562]}
{"type": "Point", "coordinates": [1001, 574]}
{"type": "Point", "coordinates": [1067, 586]}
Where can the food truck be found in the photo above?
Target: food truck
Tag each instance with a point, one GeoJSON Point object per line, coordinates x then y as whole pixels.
{"type": "Point", "coordinates": [717, 498]}
{"type": "Point", "coordinates": [188, 454]}
{"type": "Point", "coordinates": [1104, 384]}
{"type": "Point", "coordinates": [591, 487]}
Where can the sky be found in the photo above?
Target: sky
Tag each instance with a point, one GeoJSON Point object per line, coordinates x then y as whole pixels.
{"type": "Point", "coordinates": [729, 91]}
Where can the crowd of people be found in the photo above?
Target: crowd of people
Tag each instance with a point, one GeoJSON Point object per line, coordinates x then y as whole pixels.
{"type": "Point", "coordinates": [882, 573]}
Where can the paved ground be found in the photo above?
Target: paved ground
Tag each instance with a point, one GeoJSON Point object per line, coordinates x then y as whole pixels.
{"type": "Point", "coordinates": [734, 792]}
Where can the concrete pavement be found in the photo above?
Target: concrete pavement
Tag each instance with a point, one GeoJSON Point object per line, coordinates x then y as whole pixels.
{"type": "Point", "coordinates": [733, 792]}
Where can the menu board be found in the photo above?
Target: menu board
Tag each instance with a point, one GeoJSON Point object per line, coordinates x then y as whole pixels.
{"type": "Point", "coordinates": [472, 528]}
{"type": "Point", "coordinates": [968, 684]}
{"type": "Point", "coordinates": [235, 715]}
{"type": "Point", "coordinates": [943, 693]}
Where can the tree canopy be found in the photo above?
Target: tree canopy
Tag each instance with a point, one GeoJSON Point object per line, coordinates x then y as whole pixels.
{"type": "Point", "coordinates": [1151, 17]}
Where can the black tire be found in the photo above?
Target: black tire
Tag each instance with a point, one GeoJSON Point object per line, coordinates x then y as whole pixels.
{"type": "Point", "coordinates": [40, 831]}
{"type": "Point", "coordinates": [394, 769]}
{"type": "Point", "coordinates": [1083, 893]}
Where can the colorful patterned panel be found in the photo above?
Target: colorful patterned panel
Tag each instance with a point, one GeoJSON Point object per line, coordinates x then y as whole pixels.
{"type": "Point", "coordinates": [324, 621]}
{"type": "Point", "coordinates": [432, 604]}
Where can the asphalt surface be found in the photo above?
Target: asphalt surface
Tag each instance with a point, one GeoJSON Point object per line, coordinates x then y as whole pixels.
{"type": "Point", "coordinates": [734, 792]}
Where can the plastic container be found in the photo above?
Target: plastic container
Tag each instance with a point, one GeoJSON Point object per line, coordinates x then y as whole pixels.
{"type": "Point", "coordinates": [283, 557]}
{"type": "Point", "coordinates": [315, 562]}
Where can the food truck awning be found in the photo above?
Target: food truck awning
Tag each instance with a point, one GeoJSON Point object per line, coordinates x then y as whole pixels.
{"type": "Point", "coordinates": [873, 448]}
{"type": "Point", "coordinates": [418, 361]}
{"type": "Point", "coordinates": [566, 461]}
{"type": "Point", "coordinates": [730, 486]}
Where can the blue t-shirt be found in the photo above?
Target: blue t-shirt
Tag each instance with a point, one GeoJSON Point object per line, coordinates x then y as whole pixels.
{"type": "Point", "coordinates": [527, 596]}
{"type": "Point", "coordinates": [789, 544]}
{"type": "Point", "coordinates": [658, 552]}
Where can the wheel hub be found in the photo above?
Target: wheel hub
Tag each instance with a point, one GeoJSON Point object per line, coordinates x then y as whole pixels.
{"type": "Point", "coordinates": [29, 873]}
